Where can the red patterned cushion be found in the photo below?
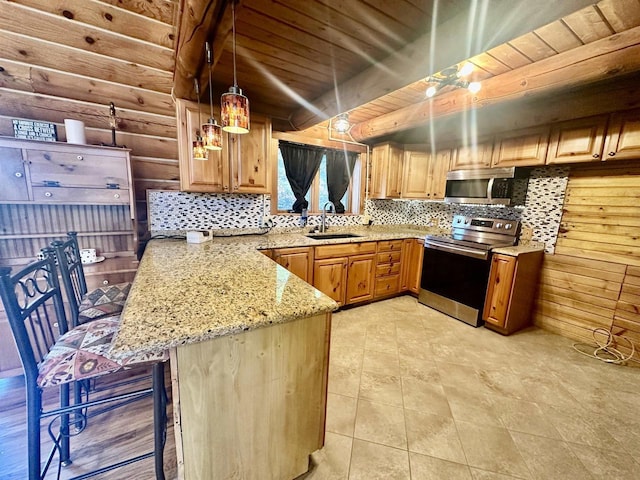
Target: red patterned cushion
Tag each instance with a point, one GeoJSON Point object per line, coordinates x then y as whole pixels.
{"type": "Point", "coordinates": [100, 311]}
{"type": "Point", "coordinates": [103, 302]}
{"type": "Point", "coordinates": [84, 352]}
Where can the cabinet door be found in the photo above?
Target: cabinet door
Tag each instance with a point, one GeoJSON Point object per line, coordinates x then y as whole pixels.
{"type": "Point", "coordinates": [526, 147]}
{"type": "Point", "coordinates": [211, 175]}
{"type": "Point", "coordinates": [623, 138]}
{"type": "Point", "coordinates": [413, 262]}
{"type": "Point", "coordinates": [394, 172]}
{"type": "Point", "coordinates": [577, 141]}
{"type": "Point", "coordinates": [360, 278]}
{"type": "Point", "coordinates": [249, 157]}
{"type": "Point", "coordinates": [297, 260]}
{"type": "Point", "coordinates": [330, 277]}
{"type": "Point", "coordinates": [13, 175]}
{"type": "Point", "coordinates": [379, 163]}
{"type": "Point", "coordinates": [438, 168]}
{"type": "Point", "coordinates": [496, 306]}
{"type": "Point", "coordinates": [473, 156]}
{"type": "Point", "coordinates": [415, 175]}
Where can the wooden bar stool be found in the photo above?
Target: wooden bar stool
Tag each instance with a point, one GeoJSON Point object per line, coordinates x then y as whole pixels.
{"type": "Point", "coordinates": [33, 302]}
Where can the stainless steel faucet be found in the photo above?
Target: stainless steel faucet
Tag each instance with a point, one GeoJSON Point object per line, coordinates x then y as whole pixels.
{"type": "Point", "coordinates": [332, 208]}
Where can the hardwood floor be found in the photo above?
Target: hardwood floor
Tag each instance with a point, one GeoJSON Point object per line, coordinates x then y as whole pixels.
{"type": "Point", "coordinates": [111, 437]}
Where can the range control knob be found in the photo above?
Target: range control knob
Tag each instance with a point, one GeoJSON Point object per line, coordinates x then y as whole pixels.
{"type": "Point", "coordinates": [498, 225]}
{"type": "Point", "coordinates": [467, 221]}
{"type": "Point", "coordinates": [508, 226]}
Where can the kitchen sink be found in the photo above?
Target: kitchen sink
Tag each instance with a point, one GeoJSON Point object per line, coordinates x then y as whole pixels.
{"type": "Point", "coordinates": [329, 236]}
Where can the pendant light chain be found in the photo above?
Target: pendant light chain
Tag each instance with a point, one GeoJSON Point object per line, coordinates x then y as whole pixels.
{"type": "Point", "coordinates": [233, 30]}
{"type": "Point", "coordinates": [209, 62]}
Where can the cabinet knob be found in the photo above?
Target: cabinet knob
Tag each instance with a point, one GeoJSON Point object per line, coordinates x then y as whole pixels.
{"type": "Point", "coordinates": [105, 282]}
{"type": "Point", "coordinates": [612, 154]}
{"type": "Point", "coordinates": [235, 187]}
{"type": "Point", "coordinates": [80, 157]}
{"type": "Point", "coordinates": [48, 194]}
{"type": "Point", "coordinates": [595, 155]}
{"type": "Point", "coordinates": [18, 174]}
{"type": "Point", "coordinates": [116, 195]}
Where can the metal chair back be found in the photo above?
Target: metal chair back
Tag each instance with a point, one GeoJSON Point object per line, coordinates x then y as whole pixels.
{"type": "Point", "coordinates": [32, 299]}
{"type": "Point", "coordinates": [71, 271]}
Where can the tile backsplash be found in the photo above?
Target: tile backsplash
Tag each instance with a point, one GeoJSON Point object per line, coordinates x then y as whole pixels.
{"type": "Point", "coordinates": [182, 211]}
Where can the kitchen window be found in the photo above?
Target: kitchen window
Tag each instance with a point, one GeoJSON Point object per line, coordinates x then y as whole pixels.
{"type": "Point", "coordinates": [318, 193]}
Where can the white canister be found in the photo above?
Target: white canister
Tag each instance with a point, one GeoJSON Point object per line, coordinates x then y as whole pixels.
{"type": "Point", "coordinates": [75, 131]}
{"type": "Point", "coordinates": [88, 255]}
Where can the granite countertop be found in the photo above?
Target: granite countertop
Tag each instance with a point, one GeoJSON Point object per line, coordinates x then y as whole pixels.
{"type": "Point", "coordinates": [188, 293]}
{"type": "Point", "coordinates": [520, 249]}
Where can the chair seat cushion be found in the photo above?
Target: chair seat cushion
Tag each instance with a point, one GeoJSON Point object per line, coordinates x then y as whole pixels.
{"type": "Point", "coordinates": [103, 302]}
{"type": "Point", "coordinates": [84, 352]}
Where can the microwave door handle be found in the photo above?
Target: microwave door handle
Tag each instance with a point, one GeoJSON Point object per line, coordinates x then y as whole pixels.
{"type": "Point", "coordinates": [490, 189]}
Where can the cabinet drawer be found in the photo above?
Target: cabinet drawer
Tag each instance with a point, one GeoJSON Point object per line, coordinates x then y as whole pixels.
{"type": "Point", "coordinates": [81, 195]}
{"type": "Point", "coordinates": [387, 285]}
{"type": "Point", "coordinates": [104, 279]}
{"type": "Point", "coordinates": [77, 168]}
{"type": "Point", "coordinates": [344, 249]}
{"type": "Point", "coordinates": [387, 269]}
{"type": "Point", "coordinates": [389, 257]}
{"type": "Point", "coordinates": [389, 245]}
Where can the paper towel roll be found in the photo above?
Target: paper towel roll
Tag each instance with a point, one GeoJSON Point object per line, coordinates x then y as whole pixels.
{"type": "Point", "coordinates": [75, 131]}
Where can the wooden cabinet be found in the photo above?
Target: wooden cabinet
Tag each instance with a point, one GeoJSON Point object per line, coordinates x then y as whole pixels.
{"type": "Point", "coordinates": [511, 290]}
{"type": "Point", "coordinates": [473, 156]}
{"type": "Point", "coordinates": [623, 136]}
{"type": "Point", "coordinates": [388, 268]}
{"type": "Point", "coordinates": [424, 174]}
{"type": "Point", "coordinates": [242, 166]}
{"type": "Point", "coordinates": [386, 171]}
{"type": "Point", "coordinates": [412, 255]}
{"type": "Point", "coordinates": [527, 147]}
{"type": "Point", "coordinates": [579, 140]}
{"type": "Point", "coordinates": [345, 272]}
{"type": "Point", "coordinates": [298, 260]}
{"type": "Point", "coordinates": [51, 188]}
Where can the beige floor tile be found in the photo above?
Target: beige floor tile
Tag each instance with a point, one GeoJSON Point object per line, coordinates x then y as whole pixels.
{"type": "Point", "coordinates": [380, 362]}
{"type": "Point", "coordinates": [607, 464]}
{"type": "Point", "coordinates": [434, 435]}
{"type": "Point", "coordinates": [381, 388]}
{"type": "Point", "coordinates": [478, 474]}
{"type": "Point", "coordinates": [503, 382]}
{"type": "Point", "coordinates": [332, 461]}
{"type": "Point", "coordinates": [427, 397]}
{"type": "Point", "coordinates": [370, 461]}
{"type": "Point", "coordinates": [421, 369]}
{"type": "Point", "coordinates": [576, 426]}
{"type": "Point", "coordinates": [346, 356]}
{"type": "Point", "coordinates": [457, 375]}
{"type": "Point", "coordinates": [548, 458]}
{"type": "Point", "coordinates": [344, 381]}
{"type": "Point", "coordinates": [491, 448]}
{"type": "Point", "coordinates": [478, 411]}
{"type": "Point", "coordinates": [523, 416]}
{"type": "Point", "coordinates": [341, 414]}
{"type": "Point", "coordinates": [380, 423]}
{"type": "Point", "coordinates": [548, 389]}
{"type": "Point", "coordinates": [430, 468]}
{"type": "Point", "coordinates": [381, 343]}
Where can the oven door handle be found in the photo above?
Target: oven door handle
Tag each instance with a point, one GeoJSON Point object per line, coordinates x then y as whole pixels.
{"type": "Point", "coordinates": [468, 252]}
{"type": "Point", "coordinates": [490, 189]}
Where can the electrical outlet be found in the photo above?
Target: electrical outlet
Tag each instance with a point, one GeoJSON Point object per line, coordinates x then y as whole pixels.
{"type": "Point", "coordinates": [267, 221]}
{"type": "Point", "coordinates": [364, 220]}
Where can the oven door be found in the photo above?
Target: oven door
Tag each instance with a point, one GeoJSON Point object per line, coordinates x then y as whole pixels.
{"type": "Point", "coordinates": [455, 283]}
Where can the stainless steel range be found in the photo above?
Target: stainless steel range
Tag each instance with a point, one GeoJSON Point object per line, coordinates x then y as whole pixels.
{"type": "Point", "coordinates": [455, 270]}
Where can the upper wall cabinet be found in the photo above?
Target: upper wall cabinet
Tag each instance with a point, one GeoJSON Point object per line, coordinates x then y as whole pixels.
{"type": "Point", "coordinates": [473, 156]}
{"type": "Point", "coordinates": [386, 171]}
{"type": "Point", "coordinates": [242, 166]}
{"type": "Point", "coordinates": [424, 174]}
{"type": "Point", "coordinates": [577, 140]}
{"type": "Point", "coordinates": [623, 136]}
{"type": "Point", "coordinates": [527, 147]}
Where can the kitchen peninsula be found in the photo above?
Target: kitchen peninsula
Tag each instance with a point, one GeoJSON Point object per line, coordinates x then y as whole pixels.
{"type": "Point", "coordinates": [249, 345]}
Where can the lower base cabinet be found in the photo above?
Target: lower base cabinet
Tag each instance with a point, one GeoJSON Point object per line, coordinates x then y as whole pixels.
{"type": "Point", "coordinates": [413, 253]}
{"type": "Point", "coordinates": [298, 261]}
{"type": "Point", "coordinates": [511, 291]}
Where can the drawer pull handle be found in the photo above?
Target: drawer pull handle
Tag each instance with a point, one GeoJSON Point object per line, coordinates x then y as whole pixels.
{"type": "Point", "coordinates": [18, 174]}
{"type": "Point", "coordinates": [116, 195]}
{"type": "Point", "coordinates": [612, 154]}
{"type": "Point", "coordinates": [48, 194]}
{"type": "Point", "coordinates": [105, 282]}
{"type": "Point", "coordinates": [79, 157]}
{"type": "Point", "coordinates": [595, 155]}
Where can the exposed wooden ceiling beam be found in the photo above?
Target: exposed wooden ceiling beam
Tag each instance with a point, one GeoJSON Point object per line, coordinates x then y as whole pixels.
{"type": "Point", "coordinates": [503, 21]}
{"type": "Point", "coordinates": [614, 56]}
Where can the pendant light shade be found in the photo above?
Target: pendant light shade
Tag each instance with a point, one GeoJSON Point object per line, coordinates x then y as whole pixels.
{"type": "Point", "coordinates": [211, 131]}
{"type": "Point", "coordinates": [199, 152]}
{"type": "Point", "coordinates": [233, 104]}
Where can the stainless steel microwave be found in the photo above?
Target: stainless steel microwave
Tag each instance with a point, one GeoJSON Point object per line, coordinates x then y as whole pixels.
{"type": "Point", "coordinates": [488, 186]}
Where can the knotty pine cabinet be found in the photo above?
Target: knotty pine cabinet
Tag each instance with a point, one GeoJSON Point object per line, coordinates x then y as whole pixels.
{"type": "Point", "coordinates": [386, 171]}
{"type": "Point", "coordinates": [623, 136]}
{"type": "Point", "coordinates": [473, 156]}
{"type": "Point", "coordinates": [298, 260]}
{"type": "Point", "coordinates": [388, 268]}
{"type": "Point", "coordinates": [579, 140]}
{"type": "Point", "coordinates": [412, 256]}
{"type": "Point", "coordinates": [424, 173]}
{"type": "Point", "coordinates": [526, 147]}
{"type": "Point", "coordinates": [51, 188]}
{"type": "Point", "coordinates": [243, 164]}
{"type": "Point", "coordinates": [511, 290]}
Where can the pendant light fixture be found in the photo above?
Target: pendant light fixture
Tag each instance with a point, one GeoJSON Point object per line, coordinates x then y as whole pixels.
{"type": "Point", "coordinates": [234, 105]}
{"type": "Point", "coordinates": [211, 131]}
{"type": "Point", "coordinates": [199, 152]}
